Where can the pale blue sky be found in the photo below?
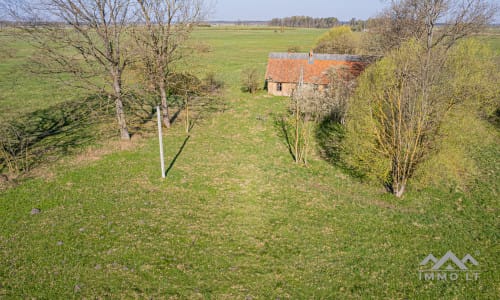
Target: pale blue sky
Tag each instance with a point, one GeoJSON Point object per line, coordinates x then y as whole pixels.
{"type": "Point", "coordinates": [263, 10]}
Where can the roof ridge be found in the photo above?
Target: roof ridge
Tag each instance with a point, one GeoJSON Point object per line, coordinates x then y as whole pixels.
{"type": "Point", "coordinates": [318, 56]}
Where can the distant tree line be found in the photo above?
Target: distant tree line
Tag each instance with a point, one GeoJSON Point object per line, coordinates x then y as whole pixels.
{"type": "Point", "coordinates": [305, 22]}
{"type": "Point", "coordinates": [357, 25]}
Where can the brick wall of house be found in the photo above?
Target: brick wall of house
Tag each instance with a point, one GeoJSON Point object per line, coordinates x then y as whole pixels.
{"type": "Point", "coordinates": [286, 89]}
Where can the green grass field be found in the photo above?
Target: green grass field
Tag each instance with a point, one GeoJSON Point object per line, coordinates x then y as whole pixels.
{"type": "Point", "coordinates": [22, 89]}
{"type": "Point", "coordinates": [235, 217]}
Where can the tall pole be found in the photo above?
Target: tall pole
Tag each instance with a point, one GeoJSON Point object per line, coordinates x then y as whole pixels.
{"type": "Point", "coordinates": [160, 138]}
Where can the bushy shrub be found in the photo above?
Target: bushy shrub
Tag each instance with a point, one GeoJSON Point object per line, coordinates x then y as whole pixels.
{"type": "Point", "coordinates": [250, 80]}
{"type": "Point", "coordinates": [427, 136]}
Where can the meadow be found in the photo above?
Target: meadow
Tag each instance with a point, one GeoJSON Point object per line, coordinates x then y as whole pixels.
{"type": "Point", "coordinates": [235, 218]}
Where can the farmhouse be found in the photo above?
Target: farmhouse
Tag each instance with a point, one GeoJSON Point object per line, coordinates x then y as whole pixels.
{"type": "Point", "coordinates": [284, 70]}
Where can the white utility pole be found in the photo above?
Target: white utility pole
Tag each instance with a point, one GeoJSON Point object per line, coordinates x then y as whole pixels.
{"type": "Point", "coordinates": [160, 138]}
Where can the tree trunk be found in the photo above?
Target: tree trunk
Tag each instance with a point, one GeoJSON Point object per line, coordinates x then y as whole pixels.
{"type": "Point", "coordinates": [164, 105]}
{"type": "Point", "coordinates": [398, 188]}
{"type": "Point", "coordinates": [187, 115]}
{"type": "Point", "coordinates": [397, 184]}
{"type": "Point", "coordinates": [120, 114]}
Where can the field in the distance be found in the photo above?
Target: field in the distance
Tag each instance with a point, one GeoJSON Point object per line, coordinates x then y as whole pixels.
{"type": "Point", "coordinates": [236, 218]}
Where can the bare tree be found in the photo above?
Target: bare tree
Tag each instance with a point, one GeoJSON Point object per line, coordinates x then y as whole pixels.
{"type": "Point", "coordinates": [80, 37]}
{"type": "Point", "coordinates": [250, 80]}
{"type": "Point", "coordinates": [188, 87]}
{"type": "Point", "coordinates": [418, 19]}
{"type": "Point", "coordinates": [168, 25]}
{"type": "Point", "coordinates": [309, 105]}
{"type": "Point", "coordinates": [342, 83]}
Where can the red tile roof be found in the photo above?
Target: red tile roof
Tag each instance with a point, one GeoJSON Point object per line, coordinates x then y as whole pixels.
{"type": "Point", "coordinates": [286, 67]}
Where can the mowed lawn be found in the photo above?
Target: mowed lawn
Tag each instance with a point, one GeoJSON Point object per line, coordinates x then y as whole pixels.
{"type": "Point", "coordinates": [236, 218]}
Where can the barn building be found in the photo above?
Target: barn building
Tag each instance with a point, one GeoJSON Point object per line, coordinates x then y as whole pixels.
{"type": "Point", "coordinates": [284, 70]}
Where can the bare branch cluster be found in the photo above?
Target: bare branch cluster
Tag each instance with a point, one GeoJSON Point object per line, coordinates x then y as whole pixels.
{"type": "Point", "coordinates": [164, 27]}
{"type": "Point", "coordinates": [417, 19]}
{"type": "Point", "coordinates": [97, 41]}
{"type": "Point", "coordinates": [309, 105]}
{"type": "Point", "coordinates": [250, 79]}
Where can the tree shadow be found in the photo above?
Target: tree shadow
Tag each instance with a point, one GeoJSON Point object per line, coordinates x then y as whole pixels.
{"type": "Point", "coordinates": [48, 134]}
{"type": "Point", "coordinates": [176, 114]}
{"type": "Point", "coordinates": [284, 131]}
{"type": "Point", "coordinates": [495, 118]}
{"type": "Point", "coordinates": [203, 106]}
{"type": "Point", "coordinates": [199, 108]}
{"type": "Point", "coordinates": [330, 135]}
{"type": "Point", "coordinates": [174, 160]}
{"type": "Point", "coordinates": [140, 109]}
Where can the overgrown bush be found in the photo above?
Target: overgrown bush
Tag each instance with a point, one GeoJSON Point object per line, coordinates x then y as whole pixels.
{"type": "Point", "coordinates": [211, 83]}
{"type": "Point", "coordinates": [250, 80]}
{"type": "Point", "coordinates": [14, 149]}
{"type": "Point", "coordinates": [399, 129]}
{"type": "Point", "coordinates": [339, 40]}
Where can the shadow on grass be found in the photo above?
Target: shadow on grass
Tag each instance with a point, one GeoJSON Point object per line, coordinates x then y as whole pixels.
{"type": "Point", "coordinates": [139, 109]}
{"type": "Point", "coordinates": [175, 115]}
{"type": "Point", "coordinates": [330, 136]}
{"type": "Point", "coordinates": [200, 107]}
{"type": "Point", "coordinates": [172, 163]}
{"type": "Point", "coordinates": [285, 132]}
{"type": "Point", "coordinates": [48, 134]}
{"type": "Point", "coordinates": [203, 106]}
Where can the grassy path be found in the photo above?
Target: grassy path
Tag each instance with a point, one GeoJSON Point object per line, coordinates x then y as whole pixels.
{"type": "Point", "coordinates": [234, 219]}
